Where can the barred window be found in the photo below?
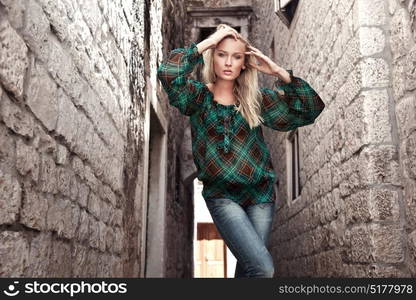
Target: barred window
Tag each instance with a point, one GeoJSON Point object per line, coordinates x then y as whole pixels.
{"type": "Point", "coordinates": [293, 166]}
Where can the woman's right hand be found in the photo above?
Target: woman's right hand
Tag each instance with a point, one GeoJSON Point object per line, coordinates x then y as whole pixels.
{"type": "Point", "coordinates": [221, 33]}
{"type": "Point", "coordinates": [216, 37]}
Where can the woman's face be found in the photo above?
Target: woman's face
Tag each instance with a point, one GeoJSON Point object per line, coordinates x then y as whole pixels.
{"type": "Point", "coordinates": [229, 55]}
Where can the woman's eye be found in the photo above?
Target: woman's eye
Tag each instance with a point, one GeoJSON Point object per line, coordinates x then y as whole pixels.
{"type": "Point", "coordinates": [221, 54]}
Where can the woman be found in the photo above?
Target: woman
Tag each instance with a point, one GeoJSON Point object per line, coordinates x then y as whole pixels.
{"type": "Point", "coordinates": [229, 151]}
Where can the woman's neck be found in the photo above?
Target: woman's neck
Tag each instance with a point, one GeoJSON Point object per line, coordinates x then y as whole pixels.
{"type": "Point", "coordinates": [224, 86]}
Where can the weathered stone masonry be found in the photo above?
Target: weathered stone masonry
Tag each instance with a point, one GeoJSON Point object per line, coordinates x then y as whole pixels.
{"type": "Point", "coordinates": [355, 216]}
{"type": "Point", "coordinates": [83, 122]}
{"type": "Point", "coordinates": [65, 100]}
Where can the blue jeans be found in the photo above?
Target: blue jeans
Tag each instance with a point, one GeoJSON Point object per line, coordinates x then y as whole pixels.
{"type": "Point", "coordinates": [245, 231]}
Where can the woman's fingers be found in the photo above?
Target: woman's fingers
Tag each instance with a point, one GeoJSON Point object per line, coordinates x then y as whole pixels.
{"type": "Point", "coordinates": [229, 31]}
{"type": "Point", "coordinates": [254, 66]}
{"type": "Point", "coordinates": [254, 53]}
{"type": "Point", "coordinates": [235, 34]}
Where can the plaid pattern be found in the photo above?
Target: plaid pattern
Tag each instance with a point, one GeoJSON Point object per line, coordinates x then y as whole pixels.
{"type": "Point", "coordinates": [233, 160]}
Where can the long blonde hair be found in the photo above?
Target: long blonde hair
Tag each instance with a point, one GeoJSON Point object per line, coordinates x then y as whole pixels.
{"type": "Point", "coordinates": [246, 88]}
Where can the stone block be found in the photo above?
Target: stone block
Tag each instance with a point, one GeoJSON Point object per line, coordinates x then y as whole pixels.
{"type": "Point", "coordinates": [7, 146]}
{"type": "Point", "coordinates": [13, 58]}
{"type": "Point", "coordinates": [372, 40]}
{"type": "Point", "coordinates": [105, 212]}
{"type": "Point", "coordinates": [109, 239]}
{"type": "Point", "coordinates": [43, 142]}
{"type": "Point", "coordinates": [410, 205]}
{"type": "Point", "coordinates": [90, 269]}
{"type": "Point", "coordinates": [410, 82]}
{"type": "Point", "coordinates": [18, 120]}
{"type": "Point", "coordinates": [357, 246]}
{"type": "Point", "coordinates": [104, 265]}
{"type": "Point", "coordinates": [59, 14]}
{"type": "Point", "coordinates": [106, 193]}
{"type": "Point", "coordinates": [10, 197]}
{"type": "Point", "coordinates": [67, 119]}
{"type": "Point", "coordinates": [75, 222]}
{"type": "Point", "coordinates": [374, 72]}
{"type": "Point", "coordinates": [406, 116]}
{"type": "Point", "coordinates": [48, 175]}
{"type": "Point", "coordinates": [102, 236]}
{"type": "Point", "coordinates": [15, 12]}
{"type": "Point", "coordinates": [64, 180]}
{"type": "Point", "coordinates": [375, 105]}
{"type": "Point", "coordinates": [379, 164]}
{"type": "Point", "coordinates": [411, 245]}
{"type": "Point", "coordinates": [94, 205]}
{"type": "Point", "coordinates": [409, 161]}
{"type": "Point", "coordinates": [27, 160]}
{"type": "Point", "coordinates": [384, 205]}
{"type": "Point", "coordinates": [74, 188]}
{"type": "Point", "coordinates": [388, 245]}
{"type": "Point", "coordinates": [42, 96]}
{"type": "Point", "coordinates": [35, 208]}
{"type": "Point", "coordinates": [398, 73]}
{"type": "Point", "coordinates": [61, 157]}
{"type": "Point", "coordinates": [83, 195]}
{"type": "Point", "coordinates": [63, 70]}
{"type": "Point", "coordinates": [118, 240]}
{"type": "Point", "coordinates": [401, 34]}
{"type": "Point", "coordinates": [357, 208]}
{"type": "Point", "coordinates": [60, 263]}
{"type": "Point", "coordinates": [36, 30]}
{"type": "Point", "coordinates": [82, 233]}
{"type": "Point", "coordinates": [14, 252]}
{"type": "Point", "coordinates": [80, 260]}
{"type": "Point", "coordinates": [39, 255]}
{"type": "Point", "coordinates": [78, 166]}
{"type": "Point", "coordinates": [369, 13]}
{"type": "Point", "coordinates": [60, 217]}
{"type": "Point", "coordinates": [94, 237]}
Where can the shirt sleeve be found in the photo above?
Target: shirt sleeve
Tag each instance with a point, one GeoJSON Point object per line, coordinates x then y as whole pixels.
{"type": "Point", "coordinates": [183, 93]}
{"type": "Point", "coordinates": [290, 105]}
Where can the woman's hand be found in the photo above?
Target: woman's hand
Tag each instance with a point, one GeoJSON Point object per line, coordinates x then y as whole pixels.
{"type": "Point", "coordinates": [266, 65]}
{"type": "Point", "coordinates": [221, 33]}
{"type": "Point", "coordinates": [217, 37]}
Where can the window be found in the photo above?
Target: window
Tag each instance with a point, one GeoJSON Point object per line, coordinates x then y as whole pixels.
{"type": "Point", "coordinates": [293, 166]}
{"type": "Point", "coordinates": [286, 9]}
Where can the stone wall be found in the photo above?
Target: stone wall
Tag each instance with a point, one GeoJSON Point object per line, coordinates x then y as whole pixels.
{"type": "Point", "coordinates": [69, 131]}
{"type": "Point", "coordinates": [402, 45]}
{"type": "Point", "coordinates": [355, 215]}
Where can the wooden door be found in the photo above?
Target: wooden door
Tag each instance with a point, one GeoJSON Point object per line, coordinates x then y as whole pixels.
{"type": "Point", "coordinates": [211, 252]}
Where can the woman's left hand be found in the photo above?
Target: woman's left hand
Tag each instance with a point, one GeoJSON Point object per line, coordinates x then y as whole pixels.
{"type": "Point", "coordinates": [266, 65]}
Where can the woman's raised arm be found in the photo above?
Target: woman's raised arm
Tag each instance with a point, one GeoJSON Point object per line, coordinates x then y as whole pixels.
{"type": "Point", "coordinates": [184, 93]}
{"type": "Point", "coordinates": [290, 105]}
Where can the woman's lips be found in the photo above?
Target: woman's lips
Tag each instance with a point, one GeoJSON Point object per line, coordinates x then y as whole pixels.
{"type": "Point", "coordinates": [228, 72]}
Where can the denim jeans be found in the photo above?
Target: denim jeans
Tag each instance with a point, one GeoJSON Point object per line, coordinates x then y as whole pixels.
{"type": "Point", "coordinates": [245, 231]}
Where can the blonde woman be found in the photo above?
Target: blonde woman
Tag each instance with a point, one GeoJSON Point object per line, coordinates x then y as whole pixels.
{"type": "Point", "coordinates": [229, 150]}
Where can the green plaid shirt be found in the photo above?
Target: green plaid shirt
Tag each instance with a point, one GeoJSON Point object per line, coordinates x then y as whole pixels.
{"type": "Point", "coordinates": [233, 160]}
